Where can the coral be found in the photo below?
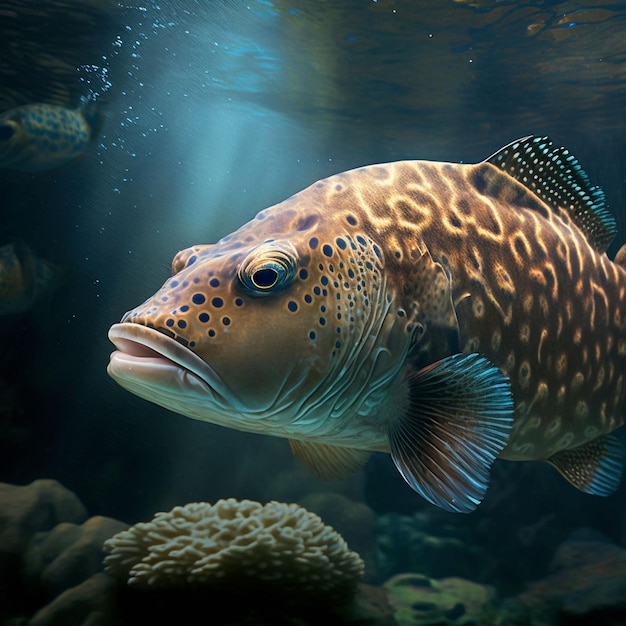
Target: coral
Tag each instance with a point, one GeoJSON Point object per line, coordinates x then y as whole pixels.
{"type": "Point", "coordinates": [418, 600]}
{"type": "Point", "coordinates": [587, 584]}
{"type": "Point", "coordinates": [87, 604]}
{"type": "Point", "coordinates": [354, 520]}
{"type": "Point", "coordinates": [67, 555]}
{"type": "Point", "coordinates": [235, 543]}
{"type": "Point", "coordinates": [24, 511]}
{"type": "Point", "coordinates": [32, 508]}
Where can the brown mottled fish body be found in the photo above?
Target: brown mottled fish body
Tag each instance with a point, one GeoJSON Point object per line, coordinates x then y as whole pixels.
{"type": "Point", "coordinates": [445, 313]}
{"type": "Point", "coordinates": [529, 290]}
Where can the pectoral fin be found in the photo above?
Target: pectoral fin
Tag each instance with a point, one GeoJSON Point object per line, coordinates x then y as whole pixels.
{"type": "Point", "coordinates": [459, 418]}
{"type": "Point", "coordinates": [328, 462]}
{"type": "Point", "coordinates": [595, 467]}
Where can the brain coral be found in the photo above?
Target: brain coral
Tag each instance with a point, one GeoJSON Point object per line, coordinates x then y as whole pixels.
{"type": "Point", "coordinates": [235, 542]}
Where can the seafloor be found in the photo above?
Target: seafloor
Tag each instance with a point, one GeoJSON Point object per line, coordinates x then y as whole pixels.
{"type": "Point", "coordinates": [81, 459]}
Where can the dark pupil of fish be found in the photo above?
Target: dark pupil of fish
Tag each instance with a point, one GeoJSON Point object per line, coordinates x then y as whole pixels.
{"type": "Point", "coordinates": [6, 132]}
{"type": "Point", "coordinates": [265, 278]}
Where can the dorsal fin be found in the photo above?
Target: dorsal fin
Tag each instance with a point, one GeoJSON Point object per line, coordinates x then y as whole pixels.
{"type": "Point", "coordinates": [555, 176]}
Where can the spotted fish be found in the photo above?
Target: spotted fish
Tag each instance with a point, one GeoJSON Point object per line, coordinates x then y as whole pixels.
{"type": "Point", "coordinates": [447, 314]}
{"type": "Point", "coordinates": [37, 137]}
{"type": "Point", "coordinates": [24, 278]}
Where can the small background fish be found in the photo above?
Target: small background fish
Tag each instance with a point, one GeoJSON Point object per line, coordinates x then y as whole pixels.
{"type": "Point", "coordinates": [24, 278]}
{"type": "Point", "coordinates": [37, 137]}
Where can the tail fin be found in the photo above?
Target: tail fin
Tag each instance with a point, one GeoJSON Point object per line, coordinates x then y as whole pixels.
{"type": "Point", "coordinates": [92, 112]}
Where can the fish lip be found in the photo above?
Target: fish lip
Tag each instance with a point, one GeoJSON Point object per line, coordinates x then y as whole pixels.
{"type": "Point", "coordinates": [140, 344]}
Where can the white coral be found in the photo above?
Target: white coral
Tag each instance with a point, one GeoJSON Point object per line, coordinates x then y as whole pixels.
{"type": "Point", "coordinates": [234, 541]}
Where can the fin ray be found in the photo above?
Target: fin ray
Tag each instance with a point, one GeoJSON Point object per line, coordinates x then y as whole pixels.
{"type": "Point", "coordinates": [595, 467]}
{"type": "Point", "coordinates": [459, 419]}
{"type": "Point", "coordinates": [328, 462]}
{"type": "Point", "coordinates": [555, 176]}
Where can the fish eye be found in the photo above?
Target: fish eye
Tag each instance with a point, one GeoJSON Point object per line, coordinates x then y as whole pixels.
{"type": "Point", "coordinates": [6, 132]}
{"type": "Point", "coordinates": [264, 273]}
{"type": "Point", "coordinates": [265, 277]}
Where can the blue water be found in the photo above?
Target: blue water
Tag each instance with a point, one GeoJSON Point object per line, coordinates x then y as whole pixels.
{"type": "Point", "coordinates": [215, 110]}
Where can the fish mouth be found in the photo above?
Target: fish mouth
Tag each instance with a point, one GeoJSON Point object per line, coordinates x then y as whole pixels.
{"type": "Point", "coordinates": [158, 368]}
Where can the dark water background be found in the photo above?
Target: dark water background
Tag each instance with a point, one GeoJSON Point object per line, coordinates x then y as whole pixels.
{"type": "Point", "coordinates": [215, 110]}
